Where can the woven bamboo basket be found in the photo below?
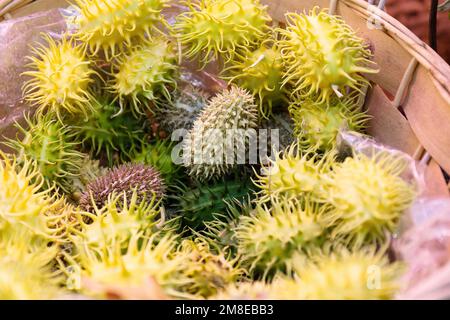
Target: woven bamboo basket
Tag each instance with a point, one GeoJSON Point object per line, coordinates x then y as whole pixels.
{"type": "Point", "coordinates": [409, 98]}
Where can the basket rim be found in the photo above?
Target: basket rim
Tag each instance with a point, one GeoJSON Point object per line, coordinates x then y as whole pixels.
{"type": "Point", "coordinates": [438, 68]}
{"type": "Point", "coordinates": [425, 55]}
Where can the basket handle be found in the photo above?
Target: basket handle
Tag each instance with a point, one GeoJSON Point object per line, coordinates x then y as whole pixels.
{"type": "Point", "coordinates": [333, 5]}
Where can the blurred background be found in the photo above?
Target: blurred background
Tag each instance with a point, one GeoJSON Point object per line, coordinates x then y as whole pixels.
{"type": "Point", "coordinates": [414, 14]}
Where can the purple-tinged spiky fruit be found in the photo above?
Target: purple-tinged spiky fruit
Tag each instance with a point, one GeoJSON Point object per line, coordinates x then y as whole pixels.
{"type": "Point", "coordinates": [126, 178]}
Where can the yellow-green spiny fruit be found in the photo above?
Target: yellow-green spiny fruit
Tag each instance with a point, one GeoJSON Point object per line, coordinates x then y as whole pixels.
{"type": "Point", "coordinates": [60, 79]}
{"type": "Point", "coordinates": [63, 220]}
{"type": "Point", "coordinates": [213, 28]}
{"type": "Point", "coordinates": [48, 142]}
{"type": "Point", "coordinates": [204, 271]}
{"type": "Point", "coordinates": [270, 238]}
{"type": "Point", "coordinates": [22, 201]}
{"type": "Point", "coordinates": [260, 72]}
{"type": "Point", "coordinates": [220, 135]}
{"type": "Point", "coordinates": [317, 125]}
{"type": "Point", "coordinates": [111, 25]}
{"type": "Point", "coordinates": [363, 274]}
{"type": "Point", "coordinates": [322, 55]}
{"type": "Point", "coordinates": [27, 275]}
{"type": "Point", "coordinates": [146, 73]}
{"type": "Point", "coordinates": [291, 175]}
{"type": "Point", "coordinates": [117, 221]}
{"type": "Point", "coordinates": [142, 259]}
{"type": "Point", "coordinates": [367, 195]}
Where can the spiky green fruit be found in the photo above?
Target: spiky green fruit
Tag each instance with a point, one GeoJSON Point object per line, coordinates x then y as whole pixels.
{"type": "Point", "coordinates": [261, 73]}
{"type": "Point", "coordinates": [60, 79]}
{"type": "Point", "coordinates": [205, 272]}
{"type": "Point", "coordinates": [109, 132]}
{"type": "Point", "coordinates": [317, 125]}
{"type": "Point", "coordinates": [111, 25]}
{"type": "Point", "coordinates": [186, 106]}
{"type": "Point", "coordinates": [220, 136]}
{"type": "Point", "coordinates": [364, 274]}
{"type": "Point", "coordinates": [127, 178]}
{"type": "Point", "coordinates": [50, 143]}
{"type": "Point", "coordinates": [199, 205]}
{"type": "Point", "coordinates": [323, 56]}
{"type": "Point", "coordinates": [145, 74]}
{"type": "Point", "coordinates": [158, 154]}
{"type": "Point", "coordinates": [213, 28]}
{"type": "Point", "coordinates": [222, 229]}
{"type": "Point", "coordinates": [270, 238]}
{"type": "Point", "coordinates": [368, 195]}
{"type": "Point", "coordinates": [291, 175]}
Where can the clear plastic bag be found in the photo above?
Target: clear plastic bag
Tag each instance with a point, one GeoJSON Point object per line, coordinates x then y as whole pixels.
{"type": "Point", "coordinates": [350, 142]}
{"type": "Point", "coordinates": [17, 37]}
{"type": "Point", "coordinates": [425, 247]}
{"type": "Point", "coordinates": [422, 240]}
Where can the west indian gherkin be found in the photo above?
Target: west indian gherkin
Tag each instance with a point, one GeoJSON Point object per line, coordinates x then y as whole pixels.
{"type": "Point", "coordinates": [220, 136]}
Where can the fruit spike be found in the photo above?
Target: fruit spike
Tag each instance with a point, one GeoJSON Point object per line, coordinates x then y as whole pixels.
{"type": "Point", "coordinates": [111, 25]}
{"type": "Point", "coordinates": [60, 79]}
{"type": "Point", "coordinates": [121, 217]}
{"type": "Point", "coordinates": [147, 73]}
{"type": "Point", "coordinates": [204, 271]}
{"type": "Point", "coordinates": [317, 125]}
{"type": "Point", "coordinates": [363, 274]}
{"type": "Point", "coordinates": [213, 28]}
{"type": "Point", "coordinates": [26, 275]}
{"type": "Point", "coordinates": [127, 265]}
{"type": "Point", "coordinates": [22, 199]}
{"type": "Point", "coordinates": [260, 72]}
{"type": "Point", "coordinates": [50, 144]}
{"type": "Point", "coordinates": [323, 56]}
{"type": "Point", "coordinates": [367, 197]}
{"type": "Point", "coordinates": [221, 129]}
{"type": "Point", "coordinates": [128, 178]}
{"type": "Point", "coordinates": [106, 132]}
{"type": "Point", "coordinates": [270, 238]}
{"type": "Point", "coordinates": [292, 175]}
{"type": "Point", "coordinates": [89, 170]}
{"type": "Point", "coordinates": [158, 153]}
